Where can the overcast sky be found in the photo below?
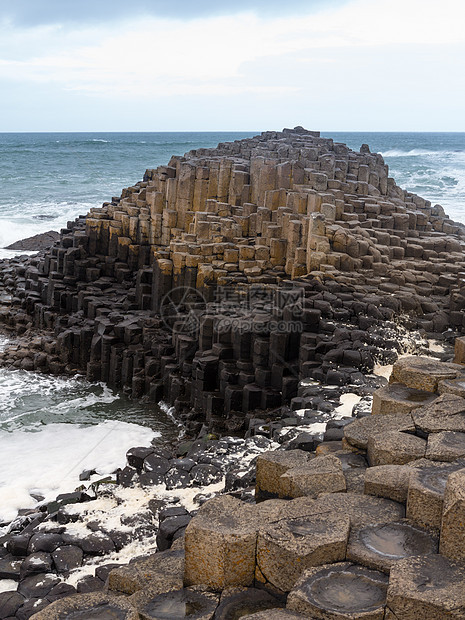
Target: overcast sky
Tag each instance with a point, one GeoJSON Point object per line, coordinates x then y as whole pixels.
{"type": "Point", "coordinates": [155, 65]}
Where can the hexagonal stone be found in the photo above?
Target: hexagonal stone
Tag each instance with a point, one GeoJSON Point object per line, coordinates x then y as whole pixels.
{"type": "Point", "coordinates": [163, 570]}
{"type": "Point", "coordinates": [423, 373]}
{"type": "Point", "coordinates": [93, 606]}
{"type": "Point", "coordinates": [380, 545]}
{"type": "Point", "coordinates": [237, 602]}
{"type": "Point", "coordinates": [321, 475]}
{"type": "Point", "coordinates": [447, 413]}
{"type": "Point", "coordinates": [220, 544]}
{"type": "Point", "coordinates": [426, 493]}
{"type": "Point", "coordinates": [177, 604]}
{"type": "Point", "coordinates": [452, 542]}
{"type": "Point", "coordinates": [286, 548]}
{"type": "Point", "coordinates": [390, 481]}
{"type": "Point", "coordinates": [275, 614]}
{"type": "Point", "coordinates": [10, 602]}
{"type": "Point", "coordinates": [445, 446]}
{"type": "Point", "coordinates": [429, 586]}
{"type": "Point", "coordinates": [361, 509]}
{"type": "Point", "coordinates": [398, 398]}
{"type": "Point", "coordinates": [342, 591]}
{"type": "Point", "coordinates": [357, 433]}
{"type": "Point", "coordinates": [394, 448]}
{"type": "Point", "coordinates": [452, 386]}
{"type": "Point", "coordinates": [271, 466]}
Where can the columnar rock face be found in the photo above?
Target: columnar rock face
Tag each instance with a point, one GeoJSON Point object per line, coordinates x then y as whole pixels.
{"type": "Point", "coordinates": [227, 276]}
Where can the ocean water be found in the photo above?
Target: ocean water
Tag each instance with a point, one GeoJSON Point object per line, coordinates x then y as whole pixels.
{"type": "Point", "coordinates": [52, 429]}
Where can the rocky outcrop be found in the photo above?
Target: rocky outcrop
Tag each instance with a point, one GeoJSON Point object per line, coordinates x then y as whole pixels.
{"type": "Point", "coordinates": [43, 241]}
{"type": "Point", "coordinates": [226, 277]}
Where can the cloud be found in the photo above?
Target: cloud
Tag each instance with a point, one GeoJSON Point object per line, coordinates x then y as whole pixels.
{"type": "Point", "coordinates": [155, 57]}
{"type": "Point", "coordinates": [339, 60]}
{"type": "Point", "coordinates": [32, 12]}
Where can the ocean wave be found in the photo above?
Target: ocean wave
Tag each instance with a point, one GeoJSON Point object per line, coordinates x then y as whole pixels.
{"type": "Point", "coordinates": [98, 140]}
{"type": "Point", "coordinates": [418, 153]}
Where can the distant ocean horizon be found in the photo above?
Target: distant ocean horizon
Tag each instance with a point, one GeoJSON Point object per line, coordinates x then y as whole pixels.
{"type": "Point", "coordinates": [47, 179]}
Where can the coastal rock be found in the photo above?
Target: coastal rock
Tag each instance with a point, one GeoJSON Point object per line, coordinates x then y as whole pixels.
{"type": "Point", "coordinates": [379, 546]}
{"type": "Point", "coordinates": [389, 481]}
{"type": "Point", "coordinates": [340, 591]}
{"type": "Point", "coordinates": [394, 448]}
{"type": "Point", "coordinates": [452, 542]}
{"type": "Point", "coordinates": [286, 548]}
{"type": "Point", "coordinates": [447, 413]}
{"type": "Point", "coordinates": [94, 605]}
{"type": "Point", "coordinates": [163, 571]}
{"type": "Point", "coordinates": [358, 432]}
{"type": "Point", "coordinates": [423, 373]}
{"type": "Point", "coordinates": [398, 398]}
{"type": "Point", "coordinates": [429, 586]}
{"type": "Point", "coordinates": [426, 493]}
{"type": "Point", "coordinates": [42, 241]}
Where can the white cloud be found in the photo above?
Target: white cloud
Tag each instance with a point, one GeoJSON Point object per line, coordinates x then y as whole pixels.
{"type": "Point", "coordinates": [153, 57]}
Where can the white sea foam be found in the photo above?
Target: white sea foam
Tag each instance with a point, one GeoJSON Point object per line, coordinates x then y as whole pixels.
{"type": "Point", "coordinates": [47, 460]}
{"type": "Point", "coordinates": [417, 153]}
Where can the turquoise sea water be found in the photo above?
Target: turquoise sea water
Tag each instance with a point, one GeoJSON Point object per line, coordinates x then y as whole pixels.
{"type": "Point", "coordinates": [47, 179]}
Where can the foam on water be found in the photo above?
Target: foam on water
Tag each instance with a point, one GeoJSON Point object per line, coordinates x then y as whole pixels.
{"type": "Point", "coordinates": [47, 460]}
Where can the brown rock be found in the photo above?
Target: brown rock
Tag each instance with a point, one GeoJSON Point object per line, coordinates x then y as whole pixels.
{"type": "Point", "coordinates": [423, 373]}
{"type": "Point", "coordinates": [398, 398]}
{"type": "Point", "coordinates": [394, 448]}
{"type": "Point", "coordinates": [390, 481]}
{"type": "Point", "coordinates": [430, 587]}
{"type": "Point", "coordinates": [358, 432]}
{"type": "Point", "coordinates": [447, 413]}
{"type": "Point", "coordinates": [452, 543]}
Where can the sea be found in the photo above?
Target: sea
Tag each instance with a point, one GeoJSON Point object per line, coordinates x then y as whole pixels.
{"type": "Point", "coordinates": [52, 429]}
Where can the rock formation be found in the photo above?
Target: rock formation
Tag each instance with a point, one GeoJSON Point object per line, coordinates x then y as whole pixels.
{"type": "Point", "coordinates": [226, 277]}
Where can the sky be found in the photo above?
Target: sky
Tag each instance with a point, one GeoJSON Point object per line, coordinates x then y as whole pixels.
{"type": "Point", "coordinates": [245, 65]}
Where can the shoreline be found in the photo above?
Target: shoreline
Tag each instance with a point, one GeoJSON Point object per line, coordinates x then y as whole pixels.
{"type": "Point", "coordinates": [185, 289]}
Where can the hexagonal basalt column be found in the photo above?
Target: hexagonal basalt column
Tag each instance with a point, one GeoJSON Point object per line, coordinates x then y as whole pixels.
{"type": "Point", "coordinates": [94, 606]}
{"type": "Point", "coordinates": [358, 432]}
{"type": "Point", "coordinates": [446, 413]}
{"type": "Point", "coordinates": [271, 466]}
{"type": "Point", "coordinates": [445, 446]}
{"type": "Point", "coordinates": [398, 398]}
{"type": "Point", "coordinates": [379, 546]}
{"type": "Point", "coordinates": [321, 475]}
{"type": "Point", "coordinates": [426, 493]}
{"type": "Point", "coordinates": [287, 548]}
{"type": "Point", "coordinates": [452, 542]}
{"type": "Point", "coordinates": [390, 481]}
{"type": "Point", "coordinates": [220, 544]}
{"type": "Point", "coordinates": [429, 587]}
{"type": "Point", "coordinates": [178, 604]}
{"type": "Point", "coordinates": [395, 448]}
{"type": "Point", "coordinates": [340, 592]}
{"type": "Point", "coordinates": [423, 373]}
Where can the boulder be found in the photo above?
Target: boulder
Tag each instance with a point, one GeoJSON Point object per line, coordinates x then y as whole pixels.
{"type": "Point", "coordinates": [176, 604]}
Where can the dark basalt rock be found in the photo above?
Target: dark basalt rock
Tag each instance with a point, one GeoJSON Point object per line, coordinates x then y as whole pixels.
{"type": "Point", "coordinates": [37, 586]}
{"type": "Point", "coordinates": [89, 584]}
{"type": "Point", "coordinates": [39, 562]}
{"type": "Point", "coordinates": [10, 567]}
{"type": "Point", "coordinates": [43, 241]}
{"type": "Point", "coordinates": [67, 557]}
{"type": "Point", "coordinates": [169, 529]}
{"type": "Point", "coordinates": [44, 542]}
{"type": "Point", "coordinates": [10, 602]}
{"type": "Point", "coordinates": [18, 545]}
